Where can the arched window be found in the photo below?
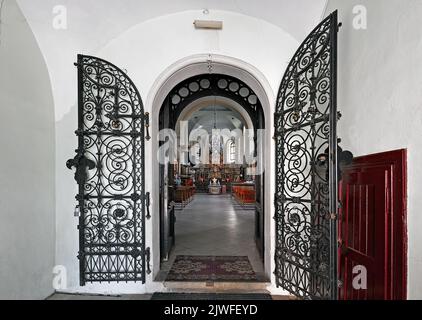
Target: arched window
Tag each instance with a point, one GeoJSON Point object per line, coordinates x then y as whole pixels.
{"type": "Point", "coordinates": [231, 151]}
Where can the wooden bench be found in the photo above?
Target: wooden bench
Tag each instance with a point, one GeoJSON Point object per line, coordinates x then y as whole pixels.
{"type": "Point", "coordinates": [244, 194]}
{"type": "Point", "coordinates": [184, 195]}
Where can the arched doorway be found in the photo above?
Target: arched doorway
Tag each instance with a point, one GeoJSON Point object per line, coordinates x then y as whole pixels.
{"type": "Point", "coordinates": [304, 241]}
{"type": "Point", "coordinates": [224, 105]}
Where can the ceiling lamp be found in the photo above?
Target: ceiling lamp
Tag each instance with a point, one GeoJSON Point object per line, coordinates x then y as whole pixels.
{"type": "Point", "coordinates": [215, 138]}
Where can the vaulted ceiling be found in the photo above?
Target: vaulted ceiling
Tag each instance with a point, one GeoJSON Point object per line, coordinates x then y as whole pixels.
{"type": "Point", "coordinates": [102, 20]}
{"type": "Point", "coordinates": [93, 24]}
{"type": "Point", "coordinates": [220, 117]}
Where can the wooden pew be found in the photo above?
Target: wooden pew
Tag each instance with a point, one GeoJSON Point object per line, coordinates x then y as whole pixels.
{"type": "Point", "coordinates": [244, 193]}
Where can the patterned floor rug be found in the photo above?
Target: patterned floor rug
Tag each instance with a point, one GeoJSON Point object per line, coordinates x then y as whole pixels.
{"type": "Point", "coordinates": [211, 268]}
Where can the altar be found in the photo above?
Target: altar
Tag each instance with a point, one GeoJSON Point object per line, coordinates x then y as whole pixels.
{"type": "Point", "coordinates": [214, 187]}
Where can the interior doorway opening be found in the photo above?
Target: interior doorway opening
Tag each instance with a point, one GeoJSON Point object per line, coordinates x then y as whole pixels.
{"type": "Point", "coordinates": [211, 182]}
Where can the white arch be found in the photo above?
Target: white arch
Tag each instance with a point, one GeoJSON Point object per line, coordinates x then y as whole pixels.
{"type": "Point", "coordinates": [184, 69]}
{"type": "Point", "coordinates": [198, 64]}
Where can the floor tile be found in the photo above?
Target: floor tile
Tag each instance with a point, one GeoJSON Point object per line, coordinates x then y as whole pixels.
{"type": "Point", "coordinates": [215, 225]}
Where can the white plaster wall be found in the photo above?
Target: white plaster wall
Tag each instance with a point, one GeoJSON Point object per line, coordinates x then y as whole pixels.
{"type": "Point", "coordinates": [150, 51]}
{"type": "Point", "coordinates": [27, 144]}
{"type": "Point", "coordinates": [380, 95]}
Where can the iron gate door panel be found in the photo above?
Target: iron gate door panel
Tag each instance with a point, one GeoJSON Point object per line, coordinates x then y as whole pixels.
{"type": "Point", "coordinates": [306, 168]}
{"type": "Point", "coordinates": [110, 173]}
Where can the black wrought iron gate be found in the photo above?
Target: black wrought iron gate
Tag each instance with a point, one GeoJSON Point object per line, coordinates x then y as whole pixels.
{"type": "Point", "coordinates": [306, 168]}
{"type": "Point", "coordinates": [109, 166]}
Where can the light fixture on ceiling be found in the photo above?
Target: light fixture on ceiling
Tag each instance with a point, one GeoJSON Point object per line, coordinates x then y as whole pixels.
{"type": "Point", "coordinates": [215, 114]}
{"type": "Point", "coordinates": [215, 137]}
{"type": "Point", "coordinates": [208, 24]}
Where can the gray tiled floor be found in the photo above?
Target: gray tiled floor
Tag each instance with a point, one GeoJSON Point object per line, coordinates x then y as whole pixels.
{"type": "Point", "coordinates": [210, 225]}
{"type": "Point", "coordinates": [216, 226]}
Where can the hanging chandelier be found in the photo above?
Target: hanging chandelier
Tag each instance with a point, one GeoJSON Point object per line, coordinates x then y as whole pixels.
{"type": "Point", "coordinates": [215, 138]}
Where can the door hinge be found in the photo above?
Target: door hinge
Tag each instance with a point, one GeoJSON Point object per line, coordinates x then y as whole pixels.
{"type": "Point", "coordinates": [148, 260]}
{"type": "Point", "coordinates": [147, 137]}
{"type": "Point", "coordinates": [147, 204]}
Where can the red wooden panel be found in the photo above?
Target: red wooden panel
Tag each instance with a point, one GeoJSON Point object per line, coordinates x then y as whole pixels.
{"type": "Point", "coordinates": [372, 230]}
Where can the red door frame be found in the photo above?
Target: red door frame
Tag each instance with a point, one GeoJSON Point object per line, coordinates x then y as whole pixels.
{"type": "Point", "coordinates": [396, 232]}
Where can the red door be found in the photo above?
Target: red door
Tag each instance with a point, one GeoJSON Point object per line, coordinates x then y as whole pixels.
{"type": "Point", "coordinates": [372, 230]}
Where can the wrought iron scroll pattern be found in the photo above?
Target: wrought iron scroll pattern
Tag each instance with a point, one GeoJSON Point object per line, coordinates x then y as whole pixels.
{"type": "Point", "coordinates": [214, 85]}
{"type": "Point", "coordinates": [304, 128]}
{"type": "Point", "coordinates": [112, 197]}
